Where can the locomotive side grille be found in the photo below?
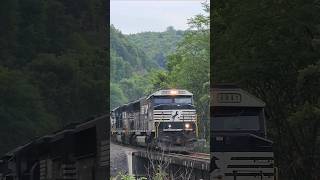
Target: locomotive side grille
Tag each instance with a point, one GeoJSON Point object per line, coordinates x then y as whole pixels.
{"type": "Point", "coordinates": [69, 171]}
{"type": "Point", "coordinates": [43, 169]}
{"type": "Point", "coordinates": [244, 165]}
{"type": "Point", "coordinates": [250, 166]}
{"type": "Point", "coordinates": [131, 116]}
{"type": "Point", "coordinates": [45, 166]}
{"type": "Point", "coordinates": [165, 115]}
{"type": "Point", "coordinates": [188, 115]}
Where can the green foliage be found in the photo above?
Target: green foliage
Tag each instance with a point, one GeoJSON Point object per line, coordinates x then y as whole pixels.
{"type": "Point", "coordinates": [188, 66]}
{"type": "Point", "coordinates": [124, 176]}
{"type": "Point", "coordinates": [117, 97]}
{"type": "Point", "coordinates": [124, 53]}
{"type": "Point", "coordinates": [135, 61]}
{"type": "Point", "coordinates": [22, 113]}
{"type": "Point", "coordinates": [305, 146]}
{"type": "Point", "coordinates": [308, 84]}
{"type": "Point", "coordinates": [160, 176]}
{"type": "Point", "coordinates": [157, 45]}
{"type": "Point", "coordinates": [53, 66]}
{"type": "Point", "coordinates": [135, 87]}
{"type": "Point", "coordinates": [270, 48]}
{"type": "Point", "coordinates": [129, 64]}
{"type": "Point", "coordinates": [76, 80]}
{"type": "Point", "coordinates": [158, 79]}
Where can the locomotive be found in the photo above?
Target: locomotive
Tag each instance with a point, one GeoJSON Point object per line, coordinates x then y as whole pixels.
{"type": "Point", "coordinates": [239, 145]}
{"type": "Point", "coordinates": [78, 151]}
{"type": "Point", "coordinates": [165, 120]}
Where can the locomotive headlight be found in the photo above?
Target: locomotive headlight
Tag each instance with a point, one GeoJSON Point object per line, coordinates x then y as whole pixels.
{"type": "Point", "coordinates": [173, 92]}
{"type": "Point", "coordinates": [187, 125]}
{"type": "Point", "coordinates": [169, 126]}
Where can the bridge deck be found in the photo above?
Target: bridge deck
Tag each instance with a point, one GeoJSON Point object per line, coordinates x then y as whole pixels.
{"type": "Point", "coordinates": [199, 163]}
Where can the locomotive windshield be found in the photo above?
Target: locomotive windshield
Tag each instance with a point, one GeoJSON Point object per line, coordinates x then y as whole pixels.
{"type": "Point", "coordinates": [236, 123]}
{"type": "Point", "coordinates": [172, 100]}
{"type": "Point", "coordinates": [183, 100]}
{"type": "Point", "coordinates": [236, 119]}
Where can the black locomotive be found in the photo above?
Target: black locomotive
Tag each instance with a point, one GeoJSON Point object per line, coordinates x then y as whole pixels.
{"type": "Point", "coordinates": [239, 146]}
{"type": "Point", "coordinates": [165, 120]}
{"type": "Point", "coordinates": [79, 151]}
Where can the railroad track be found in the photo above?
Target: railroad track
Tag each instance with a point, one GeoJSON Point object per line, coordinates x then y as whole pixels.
{"type": "Point", "coordinates": [193, 155]}
{"type": "Point", "coordinates": [190, 155]}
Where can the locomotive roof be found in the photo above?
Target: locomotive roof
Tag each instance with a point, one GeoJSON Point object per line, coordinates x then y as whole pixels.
{"type": "Point", "coordinates": [128, 104]}
{"type": "Point", "coordinates": [70, 128]}
{"type": "Point", "coordinates": [166, 92]}
{"type": "Point", "coordinates": [223, 96]}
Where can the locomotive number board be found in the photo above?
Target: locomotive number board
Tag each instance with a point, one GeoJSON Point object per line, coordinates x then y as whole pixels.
{"type": "Point", "coordinates": [229, 98]}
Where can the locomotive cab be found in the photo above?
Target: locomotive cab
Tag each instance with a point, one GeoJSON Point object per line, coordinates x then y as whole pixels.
{"type": "Point", "coordinates": [238, 135]}
{"type": "Point", "coordinates": [174, 119]}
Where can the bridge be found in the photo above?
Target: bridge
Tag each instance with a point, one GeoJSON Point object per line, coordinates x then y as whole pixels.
{"type": "Point", "coordinates": [193, 166]}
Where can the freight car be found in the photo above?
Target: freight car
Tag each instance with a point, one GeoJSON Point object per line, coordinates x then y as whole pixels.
{"type": "Point", "coordinates": [239, 146]}
{"type": "Point", "coordinates": [164, 120]}
{"type": "Point", "coordinates": [79, 151]}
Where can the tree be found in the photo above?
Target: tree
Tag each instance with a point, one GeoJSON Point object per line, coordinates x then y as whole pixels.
{"type": "Point", "coordinates": [265, 47]}
{"type": "Point", "coordinates": [188, 66]}
{"type": "Point", "coordinates": [53, 66]}
{"type": "Point", "coordinates": [116, 96]}
{"type": "Point", "coordinates": [22, 115]}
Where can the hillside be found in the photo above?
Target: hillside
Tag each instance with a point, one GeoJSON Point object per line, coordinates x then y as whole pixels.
{"type": "Point", "coordinates": [134, 58]}
{"type": "Point", "coordinates": [126, 58]}
{"type": "Point", "coordinates": [52, 67]}
{"type": "Point", "coordinates": [157, 45]}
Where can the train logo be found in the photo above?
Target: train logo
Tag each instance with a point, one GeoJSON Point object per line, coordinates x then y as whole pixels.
{"type": "Point", "coordinates": [176, 115]}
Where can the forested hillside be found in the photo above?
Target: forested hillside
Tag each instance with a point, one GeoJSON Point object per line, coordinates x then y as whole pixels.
{"type": "Point", "coordinates": [127, 57]}
{"type": "Point", "coordinates": [53, 60]}
{"type": "Point", "coordinates": [129, 65]}
{"type": "Point", "coordinates": [135, 59]}
{"type": "Point", "coordinates": [157, 45]}
{"type": "Point", "coordinates": [271, 48]}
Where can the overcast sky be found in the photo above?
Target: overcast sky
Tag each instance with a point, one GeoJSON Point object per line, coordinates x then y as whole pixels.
{"type": "Point", "coordinates": [132, 16]}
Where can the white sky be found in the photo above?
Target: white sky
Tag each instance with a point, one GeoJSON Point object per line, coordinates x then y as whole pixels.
{"type": "Point", "coordinates": [132, 16]}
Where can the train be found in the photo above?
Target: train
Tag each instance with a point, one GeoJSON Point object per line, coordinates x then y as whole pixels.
{"type": "Point", "coordinates": [79, 151]}
{"type": "Point", "coordinates": [165, 120]}
{"type": "Point", "coordinates": [239, 145]}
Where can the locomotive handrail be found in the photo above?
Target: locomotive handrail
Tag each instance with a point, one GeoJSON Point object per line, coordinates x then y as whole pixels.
{"type": "Point", "coordinates": [197, 128]}
{"type": "Point", "coordinates": [157, 129]}
{"type": "Point", "coordinates": [172, 129]}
